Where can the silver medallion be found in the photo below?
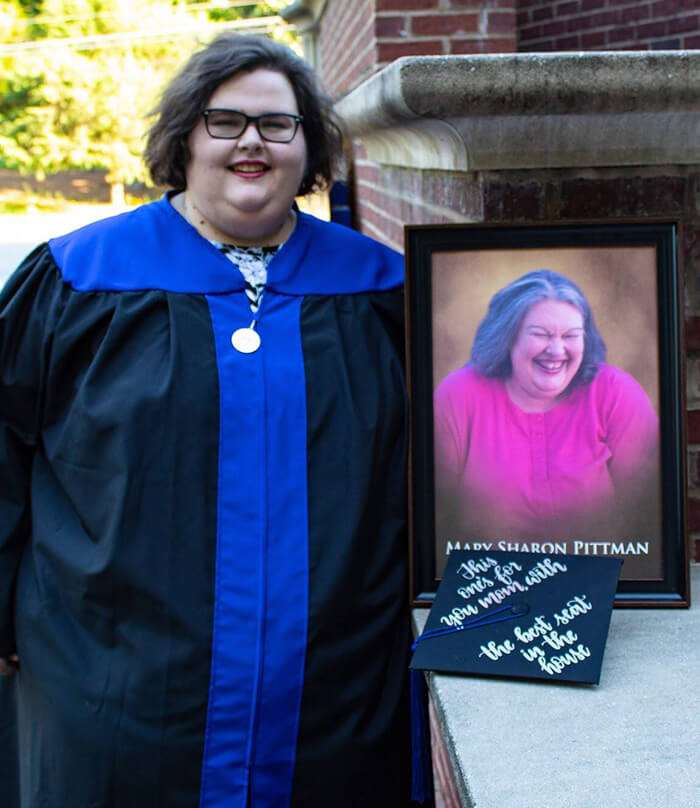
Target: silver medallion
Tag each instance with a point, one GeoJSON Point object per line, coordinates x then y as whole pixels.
{"type": "Point", "coordinates": [245, 340]}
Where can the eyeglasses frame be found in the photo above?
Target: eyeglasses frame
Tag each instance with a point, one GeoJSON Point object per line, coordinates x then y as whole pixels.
{"type": "Point", "coordinates": [298, 119]}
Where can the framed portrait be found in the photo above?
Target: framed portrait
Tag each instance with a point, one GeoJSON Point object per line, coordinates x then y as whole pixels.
{"type": "Point", "coordinates": [546, 385]}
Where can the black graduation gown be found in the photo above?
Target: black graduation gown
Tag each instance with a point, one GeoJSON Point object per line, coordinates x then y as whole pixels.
{"type": "Point", "coordinates": [202, 552]}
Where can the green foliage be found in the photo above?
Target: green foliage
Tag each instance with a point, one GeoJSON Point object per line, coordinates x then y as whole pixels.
{"type": "Point", "coordinates": [222, 12]}
{"type": "Point", "coordinates": [76, 88]}
{"type": "Point", "coordinates": [30, 7]}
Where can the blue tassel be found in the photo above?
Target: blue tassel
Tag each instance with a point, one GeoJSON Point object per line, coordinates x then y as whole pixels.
{"type": "Point", "coordinates": [422, 765]}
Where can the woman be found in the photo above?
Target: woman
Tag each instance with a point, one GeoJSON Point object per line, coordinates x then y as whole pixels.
{"type": "Point", "coordinates": [202, 474]}
{"type": "Point", "coordinates": [536, 438]}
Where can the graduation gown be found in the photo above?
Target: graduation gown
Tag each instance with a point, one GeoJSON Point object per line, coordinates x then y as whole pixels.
{"type": "Point", "coordinates": [202, 552]}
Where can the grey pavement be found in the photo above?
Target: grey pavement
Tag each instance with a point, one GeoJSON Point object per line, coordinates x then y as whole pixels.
{"type": "Point", "coordinates": [20, 233]}
{"type": "Point", "coordinates": [633, 741]}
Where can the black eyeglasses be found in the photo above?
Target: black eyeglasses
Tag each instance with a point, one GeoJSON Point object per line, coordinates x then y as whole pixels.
{"type": "Point", "coordinates": [277, 127]}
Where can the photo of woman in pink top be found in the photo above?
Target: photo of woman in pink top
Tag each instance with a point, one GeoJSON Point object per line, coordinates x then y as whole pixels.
{"type": "Point", "coordinates": [536, 438]}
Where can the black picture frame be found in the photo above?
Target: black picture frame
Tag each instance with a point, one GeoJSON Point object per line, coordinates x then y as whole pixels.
{"type": "Point", "coordinates": [459, 256]}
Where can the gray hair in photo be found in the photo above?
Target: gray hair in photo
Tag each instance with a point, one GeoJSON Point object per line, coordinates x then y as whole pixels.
{"type": "Point", "coordinates": [498, 330]}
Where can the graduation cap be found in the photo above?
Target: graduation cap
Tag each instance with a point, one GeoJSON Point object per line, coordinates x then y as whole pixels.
{"type": "Point", "coordinates": [522, 615]}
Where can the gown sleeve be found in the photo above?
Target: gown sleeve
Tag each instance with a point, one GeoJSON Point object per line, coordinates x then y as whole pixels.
{"type": "Point", "coordinates": [29, 304]}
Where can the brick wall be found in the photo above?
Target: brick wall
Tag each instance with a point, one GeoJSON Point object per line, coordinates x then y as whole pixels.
{"type": "Point", "coordinates": [387, 197]}
{"type": "Point", "coordinates": [437, 27]}
{"type": "Point", "coordinates": [564, 25]}
{"type": "Point", "coordinates": [446, 792]}
{"type": "Point", "coordinates": [358, 37]}
{"type": "Point", "coordinates": [346, 45]}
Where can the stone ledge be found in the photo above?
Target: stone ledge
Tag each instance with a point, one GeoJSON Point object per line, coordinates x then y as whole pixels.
{"type": "Point", "coordinates": [632, 740]}
{"type": "Point", "coordinates": [511, 111]}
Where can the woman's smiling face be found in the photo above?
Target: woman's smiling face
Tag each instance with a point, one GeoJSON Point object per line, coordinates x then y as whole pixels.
{"type": "Point", "coordinates": [546, 354]}
{"type": "Point", "coordinates": [245, 187]}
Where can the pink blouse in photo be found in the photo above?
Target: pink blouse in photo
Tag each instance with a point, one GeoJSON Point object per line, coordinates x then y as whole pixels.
{"type": "Point", "coordinates": [579, 469]}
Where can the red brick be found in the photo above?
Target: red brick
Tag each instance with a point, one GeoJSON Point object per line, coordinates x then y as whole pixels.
{"type": "Point", "coordinates": [451, 190]}
{"type": "Point", "coordinates": [543, 13]}
{"type": "Point", "coordinates": [691, 42]}
{"type": "Point", "coordinates": [662, 196]}
{"type": "Point", "coordinates": [484, 4]}
{"type": "Point", "coordinates": [444, 24]}
{"type": "Point", "coordinates": [390, 204]}
{"type": "Point", "coordinates": [406, 5]}
{"type": "Point", "coordinates": [445, 783]}
{"type": "Point", "coordinates": [684, 24]}
{"type": "Point", "coordinates": [634, 13]}
{"type": "Point", "coordinates": [554, 28]}
{"type": "Point", "coordinates": [388, 51]}
{"type": "Point", "coordinates": [344, 66]}
{"type": "Point", "coordinates": [385, 237]}
{"type": "Point", "coordinates": [376, 217]}
{"type": "Point", "coordinates": [530, 33]}
{"type": "Point", "coordinates": [496, 45]}
{"type": "Point", "coordinates": [665, 44]}
{"type": "Point", "coordinates": [388, 27]}
{"type": "Point", "coordinates": [658, 196]}
{"type": "Point", "coordinates": [584, 198]}
{"type": "Point", "coordinates": [693, 514]}
{"type": "Point", "coordinates": [694, 429]}
{"type": "Point", "coordinates": [621, 34]}
{"type": "Point", "coordinates": [574, 24]}
{"type": "Point", "coordinates": [597, 20]}
{"type": "Point", "coordinates": [366, 172]}
{"type": "Point", "coordinates": [565, 43]}
{"type": "Point", "coordinates": [406, 182]}
{"type": "Point", "coordinates": [692, 338]}
{"type": "Point", "coordinates": [693, 468]}
{"type": "Point", "coordinates": [514, 201]}
{"type": "Point", "coordinates": [368, 194]}
{"type": "Point", "coordinates": [639, 196]}
{"type": "Point", "coordinates": [664, 8]}
{"type": "Point", "coordinates": [566, 8]}
{"type": "Point", "coordinates": [500, 22]}
{"type": "Point", "coordinates": [594, 39]}
{"type": "Point", "coordinates": [691, 235]}
{"type": "Point", "coordinates": [651, 30]}
{"type": "Point", "coordinates": [346, 73]}
{"type": "Point", "coordinates": [590, 5]}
